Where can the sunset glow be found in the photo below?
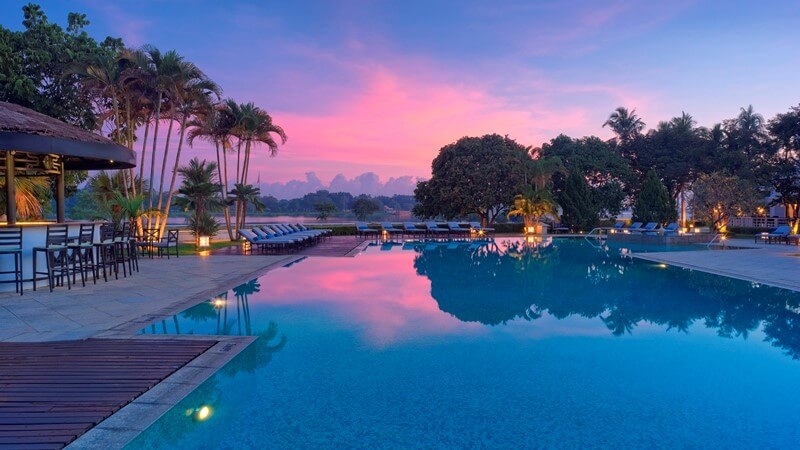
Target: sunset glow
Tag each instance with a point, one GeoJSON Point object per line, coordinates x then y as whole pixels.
{"type": "Point", "coordinates": [379, 87]}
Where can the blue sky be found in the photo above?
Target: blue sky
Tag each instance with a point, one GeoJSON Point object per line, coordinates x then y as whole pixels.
{"type": "Point", "coordinates": [380, 86]}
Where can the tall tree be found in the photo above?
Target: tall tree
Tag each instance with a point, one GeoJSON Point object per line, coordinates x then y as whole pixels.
{"type": "Point", "coordinates": [475, 175]}
{"type": "Point", "coordinates": [192, 95]}
{"type": "Point", "coordinates": [626, 124]}
{"type": "Point", "coordinates": [654, 203]}
{"type": "Point", "coordinates": [782, 169]}
{"type": "Point", "coordinates": [719, 196]}
{"type": "Point", "coordinates": [578, 209]}
{"type": "Point", "coordinates": [199, 193]}
{"type": "Point", "coordinates": [210, 124]}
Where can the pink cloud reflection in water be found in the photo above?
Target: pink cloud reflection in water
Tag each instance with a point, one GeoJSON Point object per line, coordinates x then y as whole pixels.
{"type": "Point", "coordinates": [378, 292]}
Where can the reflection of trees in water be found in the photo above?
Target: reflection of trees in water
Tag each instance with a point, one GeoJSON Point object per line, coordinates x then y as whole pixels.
{"type": "Point", "coordinates": [181, 420]}
{"type": "Point", "coordinates": [515, 279]}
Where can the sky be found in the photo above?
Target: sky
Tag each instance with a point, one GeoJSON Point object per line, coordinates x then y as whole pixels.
{"type": "Point", "coordinates": [371, 90]}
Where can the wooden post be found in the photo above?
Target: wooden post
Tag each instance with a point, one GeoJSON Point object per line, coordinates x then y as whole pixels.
{"type": "Point", "coordinates": [11, 190]}
{"type": "Point", "coordinates": [60, 194]}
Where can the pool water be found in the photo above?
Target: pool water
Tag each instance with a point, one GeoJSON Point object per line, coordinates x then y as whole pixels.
{"type": "Point", "coordinates": [500, 345]}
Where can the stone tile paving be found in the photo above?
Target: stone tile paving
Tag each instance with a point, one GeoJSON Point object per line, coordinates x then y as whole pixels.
{"type": "Point", "coordinates": [771, 264]}
{"type": "Point", "coordinates": [162, 286]}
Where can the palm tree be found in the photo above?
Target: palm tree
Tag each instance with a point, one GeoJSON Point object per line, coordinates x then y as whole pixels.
{"type": "Point", "coordinates": [157, 73]}
{"type": "Point", "coordinates": [193, 94]}
{"type": "Point", "coordinates": [684, 123]}
{"type": "Point", "coordinates": [28, 194]}
{"type": "Point", "coordinates": [533, 206]}
{"type": "Point", "coordinates": [103, 77]}
{"type": "Point", "coordinates": [750, 122]}
{"type": "Point", "coordinates": [245, 194]}
{"type": "Point", "coordinates": [210, 124]}
{"type": "Point", "coordinates": [541, 171]}
{"type": "Point", "coordinates": [262, 133]}
{"type": "Point", "coordinates": [132, 208]}
{"type": "Point", "coordinates": [200, 193]}
{"type": "Point", "coordinates": [626, 124]}
{"type": "Point", "coordinates": [252, 126]}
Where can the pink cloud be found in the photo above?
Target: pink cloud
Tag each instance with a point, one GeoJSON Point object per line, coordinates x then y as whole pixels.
{"type": "Point", "coordinates": [396, 122]}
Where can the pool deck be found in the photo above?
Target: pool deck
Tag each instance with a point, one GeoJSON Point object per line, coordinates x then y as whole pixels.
{"type": "Point", "coordinates": [334, 246]}
{"type": "Point", "coordinates": [162, 286]}
{"type": "Point", "coordinates": [770, 264]}
{"type": "Point", "coordinates": [53, 392]}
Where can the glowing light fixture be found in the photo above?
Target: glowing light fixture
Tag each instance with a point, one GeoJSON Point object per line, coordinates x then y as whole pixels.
{"type": "Point", "coordinates": [203, 241]}
{"type": "Point", "coordinates": [218, 302]}
{"type": "Point", "coordinates": [199, 414]}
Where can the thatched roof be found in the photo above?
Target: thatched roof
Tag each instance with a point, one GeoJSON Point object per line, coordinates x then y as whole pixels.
{"type": "Point", "coordinates": [24, 129]}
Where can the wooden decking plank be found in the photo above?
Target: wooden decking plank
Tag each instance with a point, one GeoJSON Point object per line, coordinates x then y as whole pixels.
{"type": "Point", "coordinates": [52, 392]}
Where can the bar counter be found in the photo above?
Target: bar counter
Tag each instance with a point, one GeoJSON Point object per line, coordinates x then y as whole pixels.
{"type": "Point", "coordinates": [33, 235]}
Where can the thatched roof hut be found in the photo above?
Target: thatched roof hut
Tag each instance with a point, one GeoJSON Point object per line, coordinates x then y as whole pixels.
{"type": "Point", "coordinates": [23, 129]}
{"type": "Point", "coordinates": [35, 145]}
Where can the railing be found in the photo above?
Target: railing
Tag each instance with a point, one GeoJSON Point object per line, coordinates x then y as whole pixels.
{"type": "Point", "coordinates": [596, 233]}
{"type": "Point", "coordinates": [717, 236]}
{"type": "Point", "coordinates": [757, 222]}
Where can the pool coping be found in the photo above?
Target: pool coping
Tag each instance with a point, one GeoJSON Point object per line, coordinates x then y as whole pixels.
{"type": "Point", "coordinates": [129, 328]}
{"type": "Point", "coordinates": [125, 425]}
{"type": "Point", "coordinates": [714, 271]}
{"type": "Point", "coordinates": [130, 421]}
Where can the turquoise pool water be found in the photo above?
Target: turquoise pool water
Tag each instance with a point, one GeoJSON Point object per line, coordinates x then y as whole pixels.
{"type": "Point", "coordinates": [506, 345]}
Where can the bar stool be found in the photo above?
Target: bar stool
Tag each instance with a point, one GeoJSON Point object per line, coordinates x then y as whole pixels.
{"type": "Point", "coordinates": [122, 244]}
{"type": "Point", "coordinates": [133, 250]}
{"type": "Point", "coordinates": [83, 254]}
{"type": "Point", "coordinates": [170, 241]}
{"type": "Point", "coordinates": [107, 252]}
{"type": "Point", "coordinates": [11, 244]}
{"type": "Point", "coordinates": [57, 257]}
{"type": "Point", "coordinates": [148, 238]}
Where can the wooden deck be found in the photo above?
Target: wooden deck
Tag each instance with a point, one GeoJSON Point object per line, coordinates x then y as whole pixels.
{"type": "Point", "coordinates": [52, 392]}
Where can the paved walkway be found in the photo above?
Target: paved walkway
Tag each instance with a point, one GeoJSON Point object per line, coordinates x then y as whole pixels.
{"type": "Point", "coordinates": [335, 246]}
{"type": "Point", "coordinates": [162, 286]}
{"type": "Point", "coordinates": [775, 264]}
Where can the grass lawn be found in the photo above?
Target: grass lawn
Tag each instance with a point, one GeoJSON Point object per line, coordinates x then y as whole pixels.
{"type": "Point", "coordinates": [188, 248]}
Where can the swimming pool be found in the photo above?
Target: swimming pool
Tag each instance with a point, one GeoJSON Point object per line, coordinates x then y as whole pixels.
{"type": "Point", "coordinates": [504, 344]}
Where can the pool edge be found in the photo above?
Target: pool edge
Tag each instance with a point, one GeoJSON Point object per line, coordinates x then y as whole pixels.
{"type": "Point", "coordinates": [130, 421]}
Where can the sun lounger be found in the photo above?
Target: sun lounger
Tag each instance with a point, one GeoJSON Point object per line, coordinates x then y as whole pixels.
{"type": "Point", "coordinates": [635, 227]}
{"type": "Point", "coordinates": [270, 233]}
{"type": "Point", "coordinates": [388, 227]}
{"type": "Point", "coordinates": [671, 229]}
{"type": "Point", "coordinates": [780, 234]}
{"type": "Point", "coordinates": [480, 228]}
{"type": "Point", "coordinates": [363, 230]}
{"type": "Point", "coordinates": [433, 229]}
{"type": "Point", "coordinates": [320, 231]}
{"type": "Point", "coordinates": [412, 230]}
{"type": "Point", "coordinates": [455, 229]}
{"type": "Point", "coordinates": [264, 243]}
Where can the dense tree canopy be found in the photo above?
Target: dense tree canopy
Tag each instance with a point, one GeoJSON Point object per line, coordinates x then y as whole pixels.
{"type": "Point", "coordinates": [579, 211]}
{"type": "Point", "coordinates": [35, 66]}
{"type": "Point", "coordinates": [653, 203]}
{"type": "Point", "coordinates": [719, 196]}
{"type": "Point", "coordinates": [476, 175]}
{"type": "Point", "coordinates": [363, 207]}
